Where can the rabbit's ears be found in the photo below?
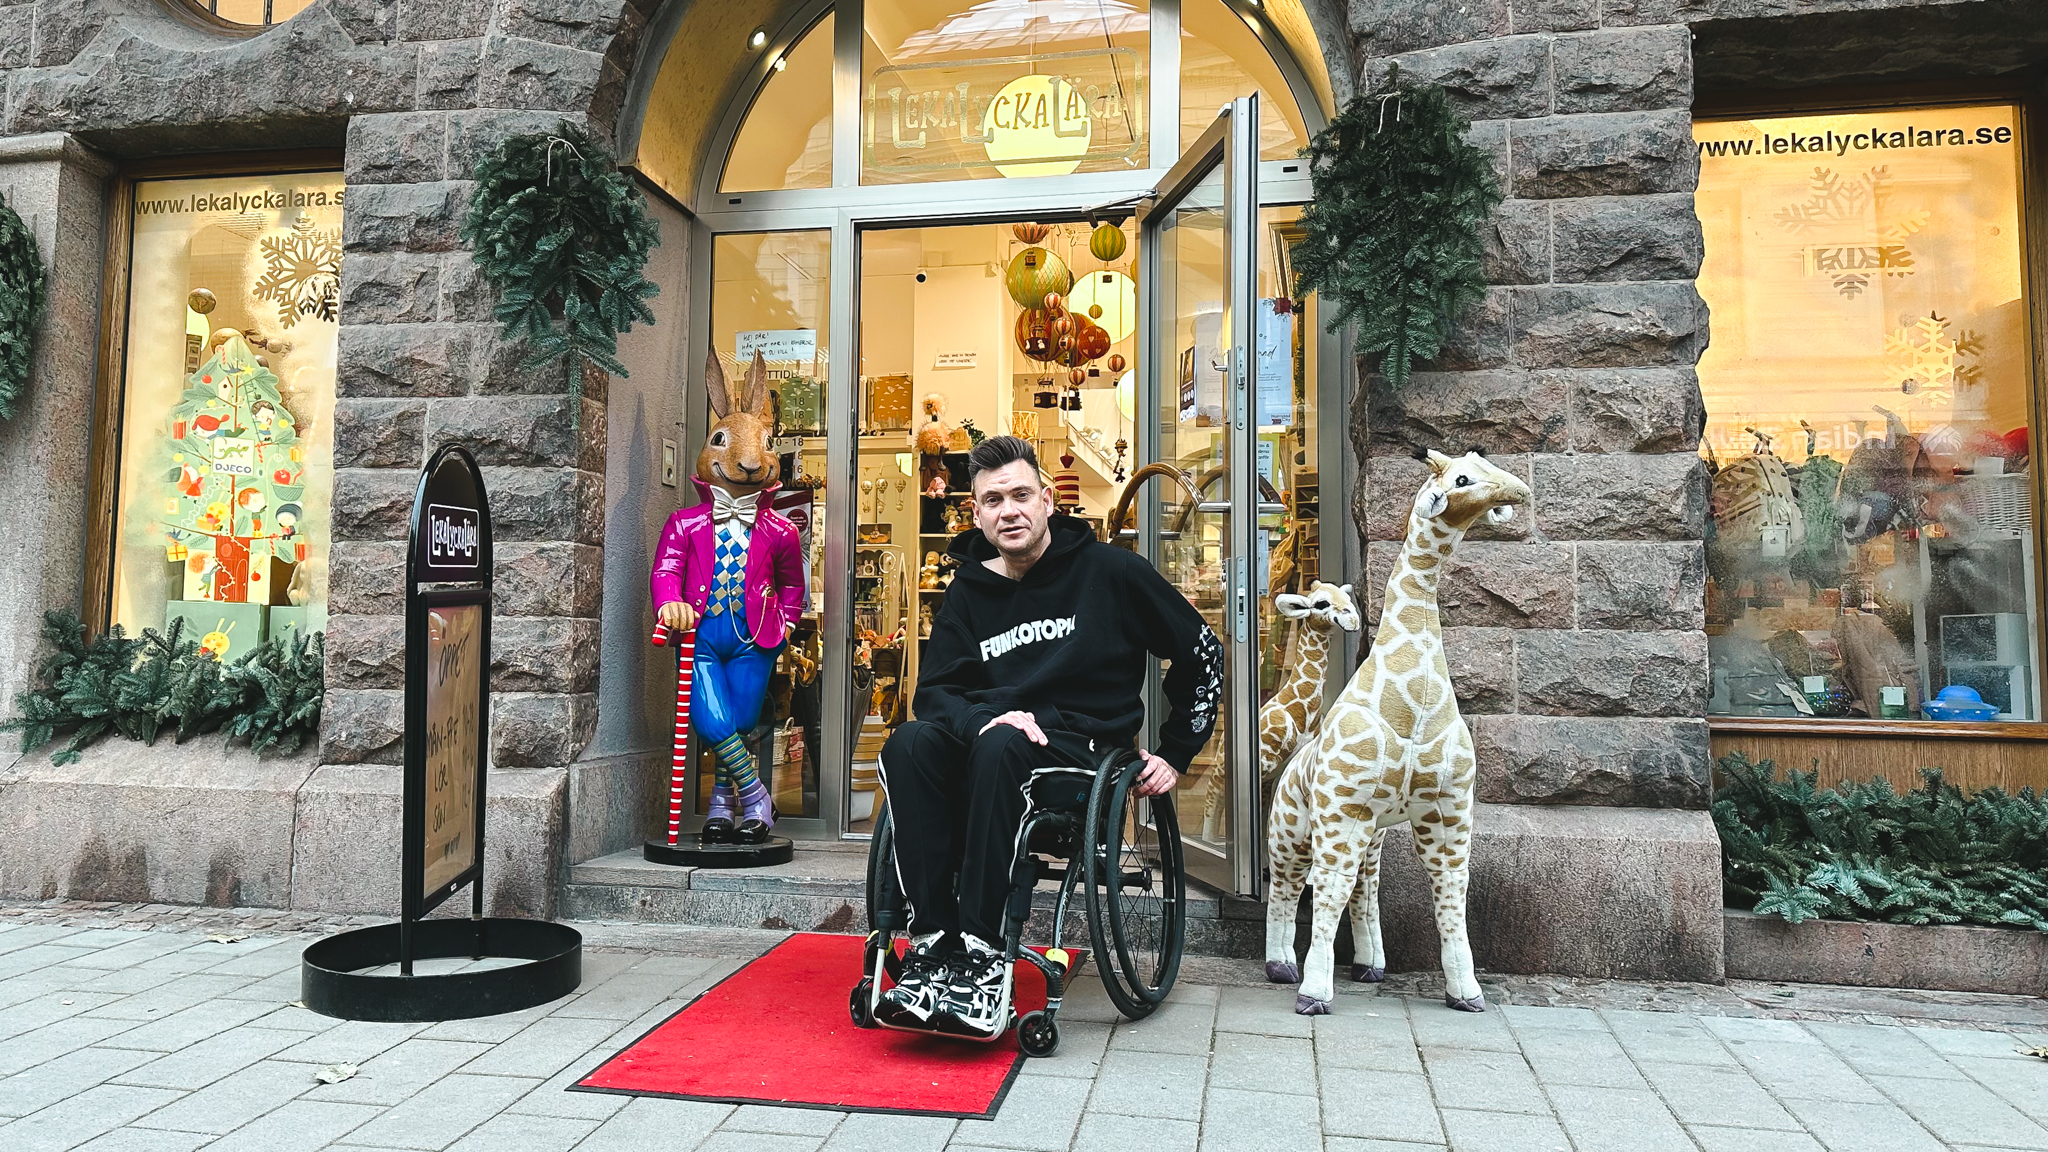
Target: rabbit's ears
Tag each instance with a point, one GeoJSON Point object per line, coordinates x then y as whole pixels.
{"type": "Point", "coordinates": [755, 398]}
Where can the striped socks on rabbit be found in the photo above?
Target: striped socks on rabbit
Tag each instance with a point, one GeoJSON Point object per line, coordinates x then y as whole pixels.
{"type": "Point", "coordinates": [743, 775]}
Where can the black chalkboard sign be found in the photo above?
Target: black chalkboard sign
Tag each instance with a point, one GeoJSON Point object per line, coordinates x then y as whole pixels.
{"type": "Point", "coordinates": [447, 687]}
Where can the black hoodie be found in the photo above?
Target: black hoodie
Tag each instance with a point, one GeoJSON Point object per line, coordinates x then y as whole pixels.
{"type": "Point", "coordinates": [1067, 643]}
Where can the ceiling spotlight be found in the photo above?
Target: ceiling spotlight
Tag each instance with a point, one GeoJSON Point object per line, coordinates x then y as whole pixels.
{"type": "Point", "coordinates": [756, 38]}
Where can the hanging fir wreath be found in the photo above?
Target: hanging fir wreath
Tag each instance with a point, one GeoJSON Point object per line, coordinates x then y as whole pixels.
{"type": "Point", "coordinates": [1392, 239]}
{"type": "Point", "coordinates": [21, 306]}
{"type": "Point", "coordinates": [563, 236]}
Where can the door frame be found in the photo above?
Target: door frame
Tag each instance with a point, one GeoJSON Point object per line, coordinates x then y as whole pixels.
{"type": "Point", "coordinates": [1279, 182]}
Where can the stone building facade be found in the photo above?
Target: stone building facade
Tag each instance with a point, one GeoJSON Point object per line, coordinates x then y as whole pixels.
{"type": "Point", "coordinates": [1578, 634]}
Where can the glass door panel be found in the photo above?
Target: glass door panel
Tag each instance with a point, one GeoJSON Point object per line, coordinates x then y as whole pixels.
{"type": "Point", "coordinates": [1196, 294]}
{"type": "Point", "coordinates": [769, 294]}
{"type": "Point", "coordinates": [1287, 457]}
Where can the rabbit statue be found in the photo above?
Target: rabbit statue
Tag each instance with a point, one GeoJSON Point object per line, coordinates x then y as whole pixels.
{"type": "Point", "coordinates": [729, 570]}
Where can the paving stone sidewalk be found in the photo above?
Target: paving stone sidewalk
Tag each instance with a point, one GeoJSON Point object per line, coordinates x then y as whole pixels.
{"type": "Point", "coordinates": [129, 1030]}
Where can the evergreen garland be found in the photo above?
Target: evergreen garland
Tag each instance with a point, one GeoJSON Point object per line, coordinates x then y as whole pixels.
{"type": "Point", "coordinates": [1392, 238]}
{"type": "Point", "coordinates": [21, 306]}
{"type": "Point", "coordinates": [136, 686]}
{"type": "Point", "coordinates": [563, 236]}
{"type": "Point", "coordinates": [1866, 852]}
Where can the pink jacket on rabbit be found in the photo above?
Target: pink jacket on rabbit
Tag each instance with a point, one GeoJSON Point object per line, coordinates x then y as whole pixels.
{"type": "Point", "coordinates": [683, 566]}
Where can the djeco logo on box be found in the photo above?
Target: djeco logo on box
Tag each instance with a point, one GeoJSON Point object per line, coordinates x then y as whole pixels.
{"type": "Point", "coordinates": [452, 536]}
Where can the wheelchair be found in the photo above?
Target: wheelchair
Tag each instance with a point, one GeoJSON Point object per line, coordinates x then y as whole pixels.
{"type": "Point", "coordinates": [1087, 829]}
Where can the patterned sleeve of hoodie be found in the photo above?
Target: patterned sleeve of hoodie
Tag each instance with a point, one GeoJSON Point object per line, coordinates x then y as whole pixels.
{"type": "Point", "coordinates": [1172, 630]}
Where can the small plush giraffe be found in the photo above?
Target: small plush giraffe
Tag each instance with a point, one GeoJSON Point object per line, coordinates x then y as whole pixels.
{"type": "Point", "coordinates": [1393, 750]}
{"type": "Point", "coordinates": [1291, 715]}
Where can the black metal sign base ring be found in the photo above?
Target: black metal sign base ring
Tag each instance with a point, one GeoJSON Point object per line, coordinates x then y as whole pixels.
{"type": "Point", "coordinates": [334, 978]}
{"type": "Point", "coordinates": [691, 851]}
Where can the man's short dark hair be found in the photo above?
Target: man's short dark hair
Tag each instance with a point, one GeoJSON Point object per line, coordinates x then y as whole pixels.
{"type": "Point", "coordinates": [999, 452]}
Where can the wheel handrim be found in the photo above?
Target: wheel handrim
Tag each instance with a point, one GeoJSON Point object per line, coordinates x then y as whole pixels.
{"type": "Point", "coordinates": [1145, 908]}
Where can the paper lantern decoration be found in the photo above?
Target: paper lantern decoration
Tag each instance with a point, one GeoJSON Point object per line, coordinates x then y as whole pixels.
{"type": "Point", "coordinates": [1029, 233]}
{"type": "Point", "coordinates": [1116, 363]}
{"type": "Point", "coordinates": [1062, 324]}
{"type": "Point", "coordinates": [1107, 242]}
{"type": "Point", "coordinates": [1095, 311]}
{"type": "Point", "coordinates": [1034, 334]}
{"type": "Point", "coordinates": [1075, 376]}
{"type": "Point", "coordinates": [1091, 342]}
{"type": "Point", "coordinates": [1035, 272]}
{"type": "Point", "coordinates": [1055, 303]}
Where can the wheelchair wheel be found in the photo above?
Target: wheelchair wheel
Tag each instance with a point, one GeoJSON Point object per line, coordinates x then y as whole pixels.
{"type": "Point", "coordinates": [886, 911]}
{"type": "Point", "coordinates": [1038, 1035]}
{"type": "Point", "coordinates": [857, 1004]}
{"type": "Point", "coordinates": [1136, 891]}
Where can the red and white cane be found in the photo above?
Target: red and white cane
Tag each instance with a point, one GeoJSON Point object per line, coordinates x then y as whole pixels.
{"type": "Point", "coordinates": [679, 760]}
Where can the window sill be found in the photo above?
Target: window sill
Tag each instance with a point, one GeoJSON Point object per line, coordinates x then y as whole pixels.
{"type": "Point", "coordinates": [1896, 729]}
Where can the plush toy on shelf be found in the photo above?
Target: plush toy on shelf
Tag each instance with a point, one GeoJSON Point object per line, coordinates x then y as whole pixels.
{"type": "Point", "coordinates": [934, 440]}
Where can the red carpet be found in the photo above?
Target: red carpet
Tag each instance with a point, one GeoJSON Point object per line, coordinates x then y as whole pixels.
{"type": "Point", "coordinates": [777, 1032]}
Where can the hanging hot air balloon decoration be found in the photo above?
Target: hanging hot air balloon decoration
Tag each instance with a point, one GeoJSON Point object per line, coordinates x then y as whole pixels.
{"type": "Point", "coordinates": [1034, 335]}
{"type": "Point", "coordinates": [1033, 273]}
{"type": "Point", "coordinates": [1029, 233]}
{"type": "Point", "coordinates": [1107, 243]}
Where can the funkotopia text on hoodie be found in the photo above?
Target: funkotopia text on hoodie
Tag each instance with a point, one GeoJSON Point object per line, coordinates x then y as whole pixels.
{"type": "Point", "coordinates": [1067, 643]}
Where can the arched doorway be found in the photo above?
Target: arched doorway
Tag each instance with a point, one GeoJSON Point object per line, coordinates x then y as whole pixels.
{"type": "Point", "coordinates": [880, 205]}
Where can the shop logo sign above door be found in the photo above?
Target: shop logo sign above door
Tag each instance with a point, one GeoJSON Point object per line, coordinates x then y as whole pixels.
{"type": "Point", "coordinates": [1027, 115]}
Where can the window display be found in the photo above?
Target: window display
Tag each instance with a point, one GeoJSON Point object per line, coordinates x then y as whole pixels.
{"type": "Point", "coordinates": [770, 298]}
{"type": "Point", "coordinates": [1871, 545]}
{"type": "Point", "coordinates": [227, 432]}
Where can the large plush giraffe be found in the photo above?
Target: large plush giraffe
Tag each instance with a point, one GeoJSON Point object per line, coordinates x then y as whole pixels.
{"type": "Point", "coordinates": [1289, 717]}
{"type": "Point", "coordinates": [1393, 750]}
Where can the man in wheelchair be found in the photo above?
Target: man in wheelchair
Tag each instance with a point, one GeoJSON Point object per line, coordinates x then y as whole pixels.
{"type": "Point", "coordinates": [1036, 663]}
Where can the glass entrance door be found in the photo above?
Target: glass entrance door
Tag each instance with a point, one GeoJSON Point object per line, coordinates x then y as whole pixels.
{"type": "Point", "coordinates": [1197, 245]}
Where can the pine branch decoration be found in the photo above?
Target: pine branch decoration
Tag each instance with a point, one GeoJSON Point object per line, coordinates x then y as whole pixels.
{"type": "Point", "coordinates": [137, 687]}
{"type": "Point", "coordinates": [1867, 852]}
{"type": "Point", "coordinates": [564, 237]}
{"type": "Point", "coordinates": [22, 293]}
{"type": "Point", "coordinates": [1392, 239]}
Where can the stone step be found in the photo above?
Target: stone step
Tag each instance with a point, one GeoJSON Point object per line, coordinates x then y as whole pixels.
{"type": "Point", "coordinates": [824, 889]}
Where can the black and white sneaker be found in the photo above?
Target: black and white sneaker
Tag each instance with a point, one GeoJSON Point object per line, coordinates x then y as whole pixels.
{"type": "Point", "coordinates": [975, 1001]}
{"type": "Point", "coordinates": [926, 969]}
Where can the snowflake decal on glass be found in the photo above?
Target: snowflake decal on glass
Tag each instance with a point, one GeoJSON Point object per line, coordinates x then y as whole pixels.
{"type": "Point", "coordinates": [1834, 200]}
{"type": "Point", "coordinates": [301, 273]}
{"type": "Point", "coordinates": [1929, 363]}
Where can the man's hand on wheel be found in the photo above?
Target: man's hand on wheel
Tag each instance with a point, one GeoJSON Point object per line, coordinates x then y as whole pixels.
{"type": "Point", "coordinates": [1023, 722]}
{"type": "Point", "coordinates": [1158, 776]}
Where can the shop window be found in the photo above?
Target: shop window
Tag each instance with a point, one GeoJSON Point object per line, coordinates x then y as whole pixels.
{"type": "Point", "coordinates": [254, 13]}
{"type": "Point", "coordinates": [1003, 88]}
{"type": "Point", "coordinates": [1221, 59]}
{"type": "Point", "coordinates": [786, 139]}
{"type": "Point", "coordinates": [771, 293]}
{"type": "Point", "coordinates": [226, 445]}
{"type": "Point", "coordinates": [1872, 548]}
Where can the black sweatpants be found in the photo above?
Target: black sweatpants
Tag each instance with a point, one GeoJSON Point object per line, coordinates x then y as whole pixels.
{"type": "Point", "coordinates": [959, 806]}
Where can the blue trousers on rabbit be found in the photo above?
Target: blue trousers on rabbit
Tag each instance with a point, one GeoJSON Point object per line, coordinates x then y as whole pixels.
{"type": "Point", "coordinates": [729, 687]}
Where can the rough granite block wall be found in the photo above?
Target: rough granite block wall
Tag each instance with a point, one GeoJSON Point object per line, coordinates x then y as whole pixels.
{"type": "Point", "coordinates": [1574, 631]}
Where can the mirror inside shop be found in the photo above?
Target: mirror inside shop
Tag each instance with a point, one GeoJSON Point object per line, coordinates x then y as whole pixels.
{"type": "Point", "coordinates": [1871, 545]}
{"type": "Point", "coordinates": [970, 331]}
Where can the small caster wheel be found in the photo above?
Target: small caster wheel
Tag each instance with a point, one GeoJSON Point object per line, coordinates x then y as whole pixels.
{"type": "Point", "coordinates": [1038, 1035]}
{"type": "Point", "coordinates": [857, 1004]}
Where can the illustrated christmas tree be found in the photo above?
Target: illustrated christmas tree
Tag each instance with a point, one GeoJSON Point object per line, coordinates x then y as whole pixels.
{"type": "Point", "coordinates": [231, 508]}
